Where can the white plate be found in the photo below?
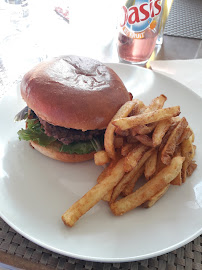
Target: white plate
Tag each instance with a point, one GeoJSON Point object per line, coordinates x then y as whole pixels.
{"type": "Point", "coordinates": [36, 191]}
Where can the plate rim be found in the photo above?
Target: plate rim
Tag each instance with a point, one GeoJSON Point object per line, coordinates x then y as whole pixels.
{"type": "Point", "coordinates": [103, 260]}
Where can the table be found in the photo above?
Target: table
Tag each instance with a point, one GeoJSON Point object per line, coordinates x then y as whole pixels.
{"type": "Point", "coordinates": [19, 252]}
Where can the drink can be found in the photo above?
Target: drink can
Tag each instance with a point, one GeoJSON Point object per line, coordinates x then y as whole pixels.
{"type": "Point", "coordinates": [141, 21]}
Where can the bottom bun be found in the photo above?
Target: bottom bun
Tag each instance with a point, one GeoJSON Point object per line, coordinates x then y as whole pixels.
{"type": "Point", "coordinates": [52, 151]}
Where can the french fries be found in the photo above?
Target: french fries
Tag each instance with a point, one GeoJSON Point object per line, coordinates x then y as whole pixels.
{"type": "Point", "coordinates": [109, 133]}
{"type": "Point", "coordinates": [146, 118]}
{"type": "Point", "coordinates": [141, 142]}
{"type": "Point", "coordinates": [148, 190]}
{"type": "Point", "coordinates": [131, 184]}
{"type": "Point", "coordinates": [156, 103]}
{"type": "Point", "coordinates": [106, 172]}
{"type": "Point", "coordinates": [188, 149]}
{"type": "Point", "coordinates": [186, 135]}
{"type": "Point", "coordinates": [156, 197]}
{"type": "Point", "coordinates": [190, 169]}
{"type": "Point", "coordinates": [172, 142]}
{"type": "Point", "coordinates": [118, 142]}
{"type": "Point", "coordinates": [101, 158]}
{"type": "Point", "coordinates": [160, 130]}
{"type": "Point", "coordinates": [150, 165]}
{"type": "Point", "coordinates": [94, 195]}
{"type": "Point", "coordinates": [142, 129]}
{"type": "Point", "coordinates": [178, 179]}
{"type": "Point", "coordinates": [188, 152]}
{"type": "Point", "coordinates": [126, 149]}
{"type": "Point", "coordinates": [145, 139]}
{"type": "Point", "coordinates": [133, 157]}
{"type": "Point", "coordinates": [131, 176]}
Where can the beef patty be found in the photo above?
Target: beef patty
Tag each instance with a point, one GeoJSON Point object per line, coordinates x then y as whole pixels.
{"type": "Point", "coordinates": [69, 135]}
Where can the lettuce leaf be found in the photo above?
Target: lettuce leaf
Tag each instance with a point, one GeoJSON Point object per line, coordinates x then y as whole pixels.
{"type": "Point", "coordinates": [78, 148]}
{"type": "Point", "coordinates": [35, 132]}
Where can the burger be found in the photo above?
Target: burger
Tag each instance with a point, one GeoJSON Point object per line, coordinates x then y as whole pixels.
{"type": "Point", "coordinates": [70, 101]}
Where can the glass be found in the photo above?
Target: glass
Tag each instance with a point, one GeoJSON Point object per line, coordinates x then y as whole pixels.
{"type": "Point", "coordinates": [142, 24]}
{"type": "Point", "coordinates": [166, 11]}
{"type": "Point", "coordinates": [18, 13]}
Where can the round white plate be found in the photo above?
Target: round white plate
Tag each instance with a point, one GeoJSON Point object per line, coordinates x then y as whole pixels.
{"type": "Point", "coordinates": [36, 191]}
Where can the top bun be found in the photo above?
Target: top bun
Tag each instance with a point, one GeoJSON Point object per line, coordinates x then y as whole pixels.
{"type": "Point", "coordinates": [74, 92]}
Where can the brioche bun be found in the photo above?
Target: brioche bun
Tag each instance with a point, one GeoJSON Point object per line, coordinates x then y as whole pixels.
{"type": "Point", "coordinates": [75, 93]}
{"type": "Point", "coordinates": [53, 152]}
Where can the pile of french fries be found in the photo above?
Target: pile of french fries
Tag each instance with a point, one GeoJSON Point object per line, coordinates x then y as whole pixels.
{"type": "Point", "coordinates": [150, 145]}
